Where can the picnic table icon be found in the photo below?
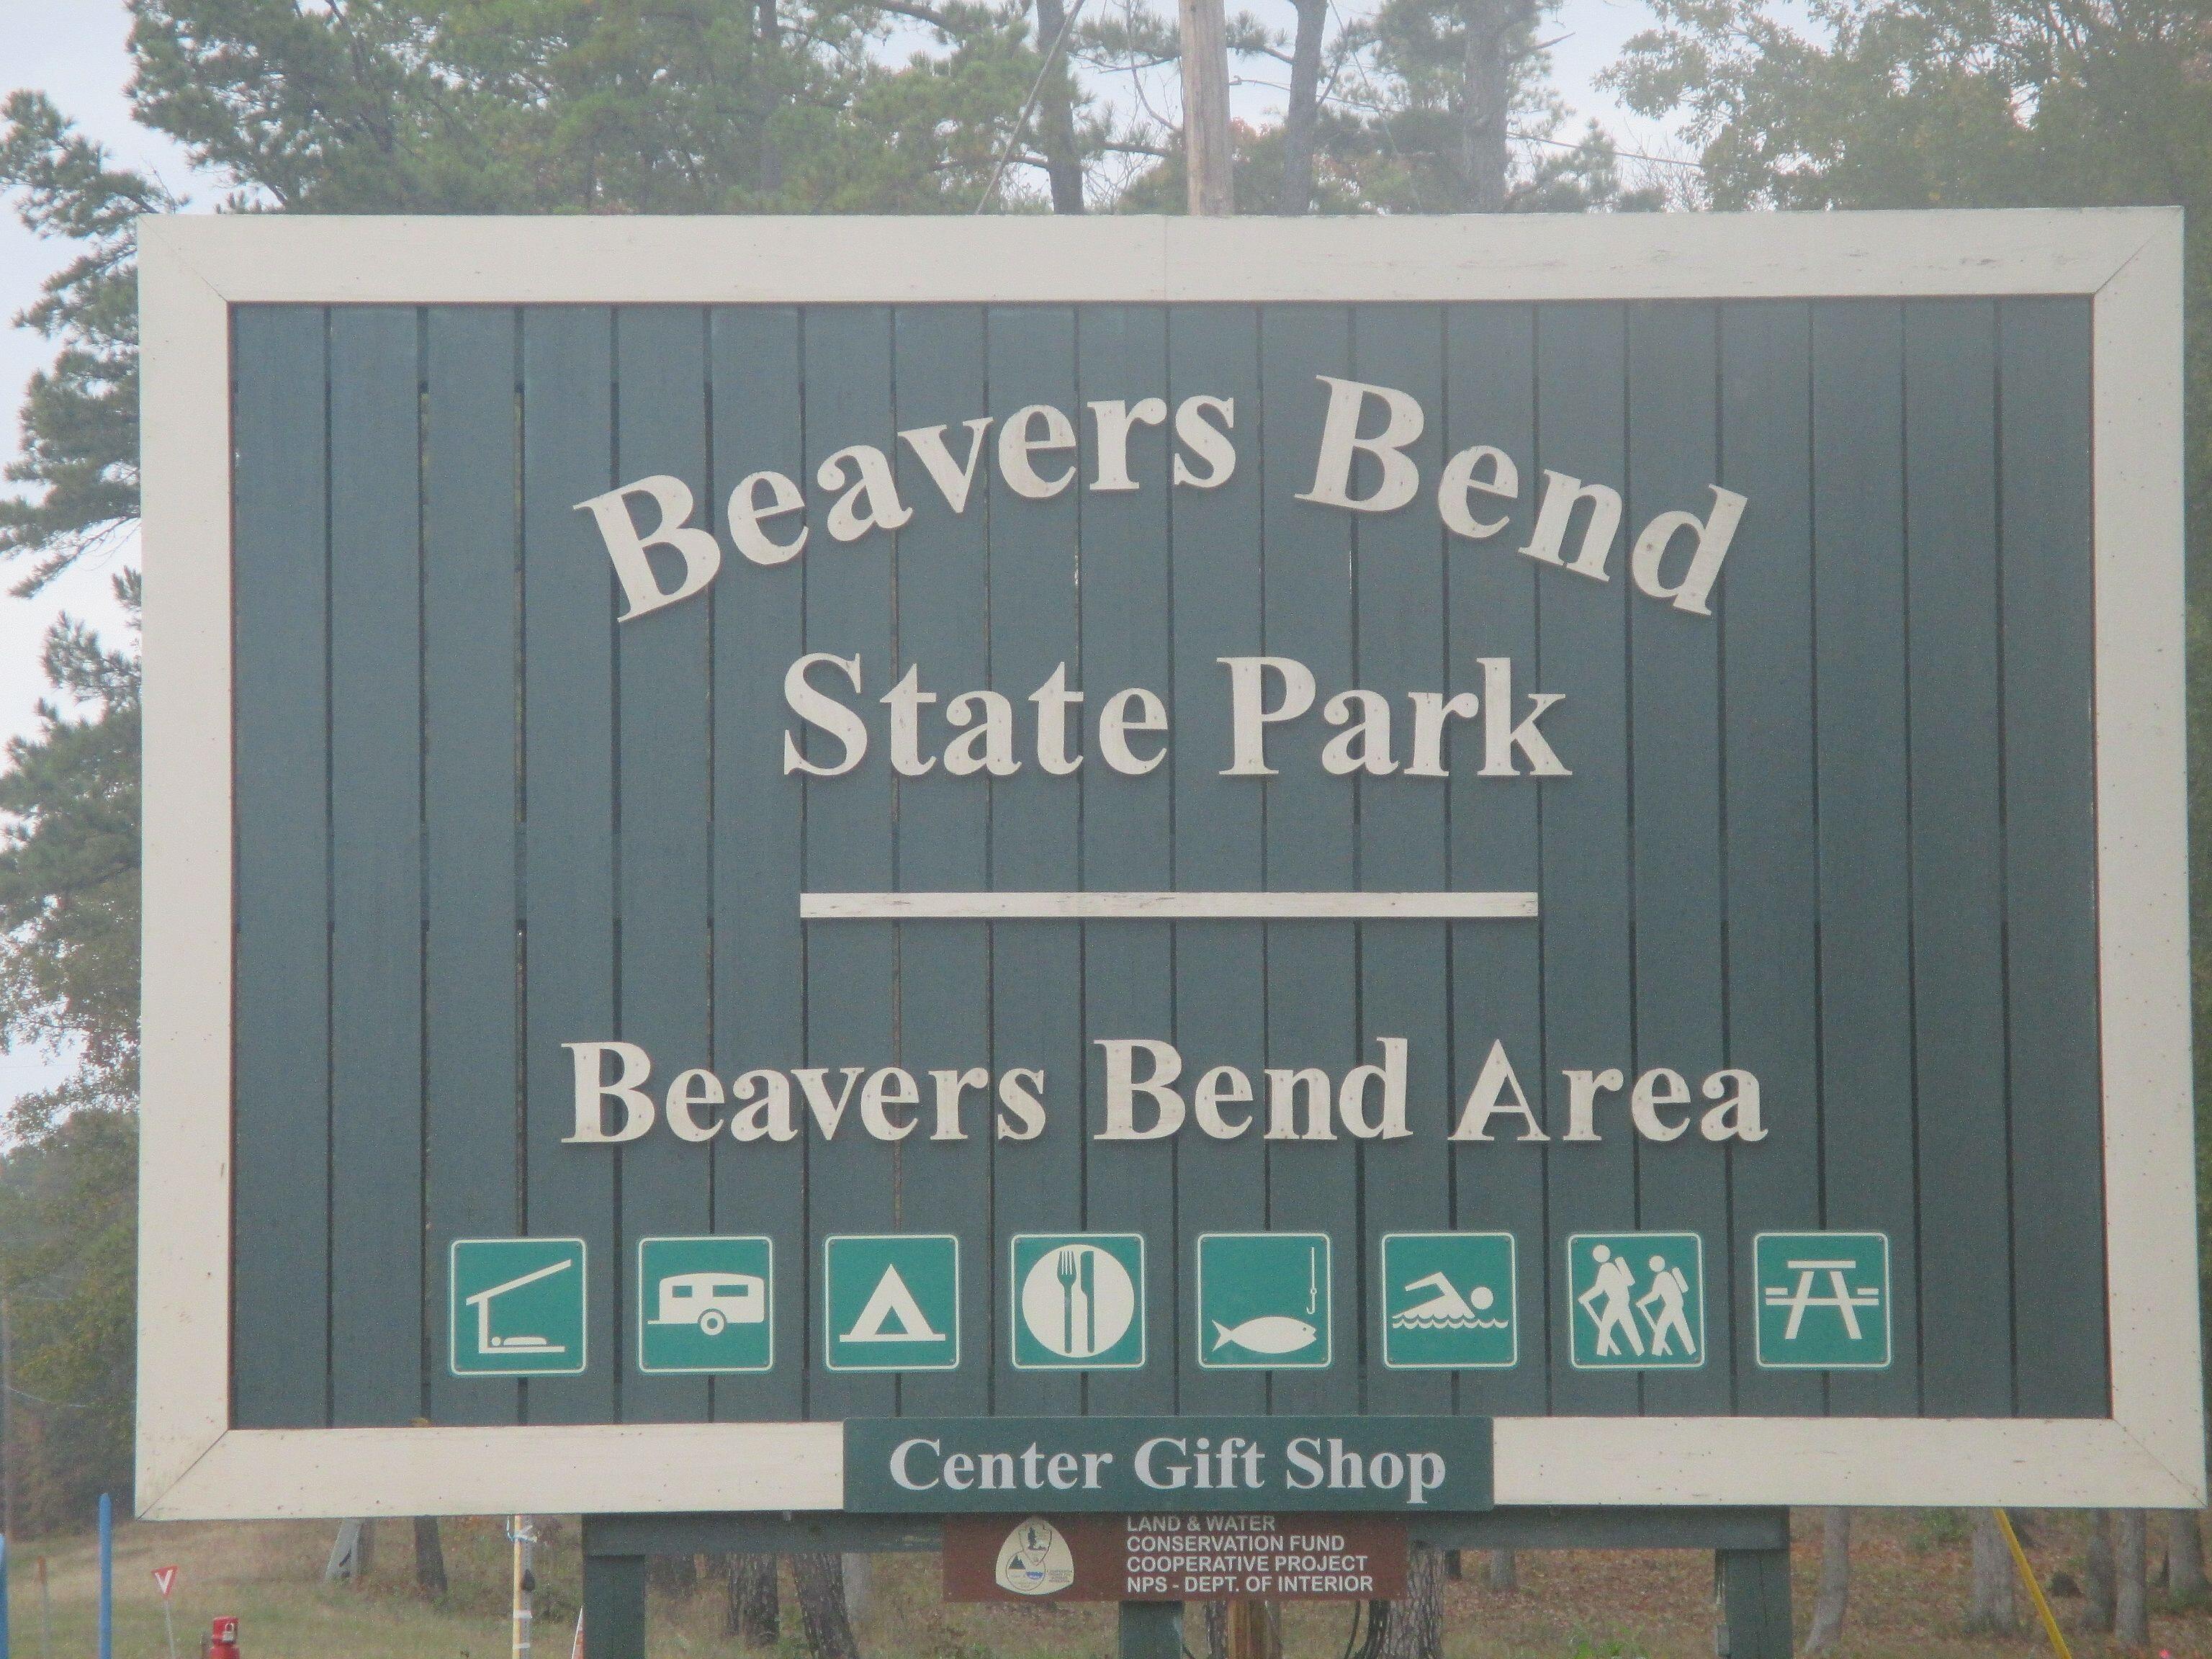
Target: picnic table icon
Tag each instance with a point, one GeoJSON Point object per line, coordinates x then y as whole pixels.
{"type": "Point", "coordinates": [1841, 1297]}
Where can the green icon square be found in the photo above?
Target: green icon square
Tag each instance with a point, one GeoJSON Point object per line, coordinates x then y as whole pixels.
{"type": "Point", "coordinates": [1822, 1301]}
{"type": "Point", "coordinates": [1636, 1301]}
{"type": "Point", "coordinates": [1447, 1302]}
{"type": "Point", "coordinates": [1077, 1301]}
{"type": "Point", "coordinates": [1263, 1301]}
{"type": "Point", "coordinates": [516, 1306]}
{"type": "Point", "coordinates": [890, 1302]}
{"type": "Point", "coordinates": [706, 1305]}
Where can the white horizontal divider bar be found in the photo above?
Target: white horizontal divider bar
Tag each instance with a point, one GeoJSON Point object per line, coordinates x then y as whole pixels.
{"type": "Point", "coordinates": [1166, 907]}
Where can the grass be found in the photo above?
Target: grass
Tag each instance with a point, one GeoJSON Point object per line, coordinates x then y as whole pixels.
{"type": "Point", "coordinates": [1910, 1583]}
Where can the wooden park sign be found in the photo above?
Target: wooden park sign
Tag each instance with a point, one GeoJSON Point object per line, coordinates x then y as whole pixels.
{"type": "Point", "coordinates": [1146, 865]}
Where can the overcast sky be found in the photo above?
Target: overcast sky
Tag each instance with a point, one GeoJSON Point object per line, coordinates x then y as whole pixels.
{"type": "Point", "coordinates": [73, 50]}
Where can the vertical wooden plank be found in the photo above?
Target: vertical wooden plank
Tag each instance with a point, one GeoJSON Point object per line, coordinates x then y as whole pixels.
{"type": "Point", "coordinates": [760, 945]}
{"type": "Point", "coordinates": [1772, 893]}
{"type": "Point", "coordinates": [662, 847]}
{"type": "Point", "coordinates": [376, 849]}
{"type": "Point", "coordinates": [1311, 842]}
{"type": "Point", "coordinates": [945, 967]}
{"type": "Point", "coordinates": [1674, 792]}
{"type": "Point", "coordinates": [1582, 645]}
{"type": "Point", "coordinates": [1404, 840]}
{"type": "Point", "coordinates": [568, 783]}
{"type": "Point", "coordinates": [2051, 945]}
{"type": "Point", "coordinates": [1219, 997]}
{"type": "Point", "coordinates": [1859, 692]}
{"type": "Point", "coordinates": [1958, 869]}
{"type": "Point", "coordinates": [1128, 821]}
{"type": "Point", "coordinates": [280, 1283]}
{"type": "Point", "coordinates": [846, 352]}
{"type": "Point", "coordinates": [472, 1063]}
{"type": "Point", "coordinates": [1497, 968]}
{"type": "Point", "coordinates": [1037, 967]}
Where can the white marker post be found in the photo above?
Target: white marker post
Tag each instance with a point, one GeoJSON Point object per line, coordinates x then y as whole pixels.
{"type": "Point", "coordinates": [165, 1580]}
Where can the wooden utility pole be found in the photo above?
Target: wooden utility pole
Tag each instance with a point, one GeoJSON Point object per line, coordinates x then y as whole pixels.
{"type": "Point", "coordinates": [1205, 108]}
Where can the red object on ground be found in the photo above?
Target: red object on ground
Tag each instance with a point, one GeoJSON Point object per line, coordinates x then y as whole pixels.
{"type": "Point", "coordinates": [223, 1644]}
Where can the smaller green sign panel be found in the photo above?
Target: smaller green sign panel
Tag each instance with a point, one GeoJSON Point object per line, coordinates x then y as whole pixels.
{"type": "Point", "coordinates": [1823, 1300]}
{"type": "Point", "coordinates": [1636, 1301]}
{"type": "Point", "coordinates": [516, 1306]}
{"type": "Point", "coordinates": [1131, 1465]}
{"type": "Point", "coordinates": [706, 1305]}
{"type": "Point", "coordinates": [1263, 1301]}
{"type": "Point", "coordinates": [1447, 1302]}
{"type": "Point", "coordinates": [890, 1302]}
{"type": "Point", "coordinates": [1079, 1301]}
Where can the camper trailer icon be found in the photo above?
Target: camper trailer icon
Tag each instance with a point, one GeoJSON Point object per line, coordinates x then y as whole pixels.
{"type": "Point", "coordinates": [712, 1301]}
{"type": "Point", "coordinates": [706, 1305]}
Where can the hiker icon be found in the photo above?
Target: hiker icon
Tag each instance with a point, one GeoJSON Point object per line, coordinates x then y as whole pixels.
{"type": "Point", "coordinates": [1669, 1286]}
{"type": "Point", "coordinates": [1635, 1300]}
{"type": "Point", "coordinates": [1616, 1283]}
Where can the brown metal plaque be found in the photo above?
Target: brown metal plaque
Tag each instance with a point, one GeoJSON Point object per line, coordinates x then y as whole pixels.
{"type": "Point", "coordinates": [1173, 1557]}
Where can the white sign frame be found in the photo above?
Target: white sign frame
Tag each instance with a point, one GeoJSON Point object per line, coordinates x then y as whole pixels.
{"type": "Point", "coordinates": [191, 1463]}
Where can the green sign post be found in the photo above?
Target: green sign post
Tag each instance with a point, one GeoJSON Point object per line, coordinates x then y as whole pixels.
{"type": "Point", "coordinates": [516, 1306]}
{"type": "Point", "coordinates": [890, 1302]}
{"type": "Point", "coordinates": [1823, 1301]}
{"type": "Point", "coordinates": [1636, 1301]}
{"type": "Point", "coordinates": [706, 1305]}
{"type": "Point", "coordinates": [1447, 1302]}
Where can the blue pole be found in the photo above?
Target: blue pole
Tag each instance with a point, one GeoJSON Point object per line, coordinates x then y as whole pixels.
{"type": "Point", "coordinates": [3, 1596]}
{"type": "Point", "coordinates": [107, 1577]}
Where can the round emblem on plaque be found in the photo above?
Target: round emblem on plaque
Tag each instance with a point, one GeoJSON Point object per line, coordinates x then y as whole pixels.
{"type": "Point", "coordinates": [1035, 1560]}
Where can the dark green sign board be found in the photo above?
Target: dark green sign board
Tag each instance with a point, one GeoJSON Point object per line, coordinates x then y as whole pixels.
{"type": "Point", "coordinates": [1751, 835]}
{"type": "Point", "coordinates": [1400, 1465]}
{"type": "Point", "coordinates": [1355, 864]}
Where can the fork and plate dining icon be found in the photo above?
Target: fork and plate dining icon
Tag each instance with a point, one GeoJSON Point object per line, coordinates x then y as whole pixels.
{"type": "Point", "coordinates": [1077, 1300]}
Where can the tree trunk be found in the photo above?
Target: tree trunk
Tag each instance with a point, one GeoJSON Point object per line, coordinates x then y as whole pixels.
{"type": "Point", "coordinates": [672, 1575]}
{"type": "Point", "coordinates": [1416, 1630]}
{"type": "Point", "coordinates": [1503, 1571]}
{"type": "Point", "coordinates": [1835, 1582]}
{"type": "Point", "coordinates": [1217, 1630]}
{"type": "Point", "coordinates": [1251, 1628]}
{"type": "Point", "coordinates": [1302, 114]}
{"type": "Point", "coordinates": [1063, 165]}
{"type": "Point", "coordinates": [2097, 1586]}
{"type": "Point", "coordinates": [768, 41]}
{"type": "Point", "coordinates": [1991, 1607]}
{"type": "Point", "coordinates": [429, 1557]}
{"type": "Point", "coordinates": [756, 1610]}
{"type": "Point", "coordinates": [820, 1578]}
{"type": "Point", "coordinates": [1497, 41]}
{"type": "Point", "coordinates": [2184, 1556]}
{"type": "Point", "coordinates": [2131, 1603]}
{"type": "Point", "coordinates": [1209, 190]}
